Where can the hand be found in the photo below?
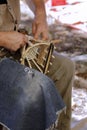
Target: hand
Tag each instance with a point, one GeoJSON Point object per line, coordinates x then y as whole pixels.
{"type": "Point", "coordinates": [12, 40]}
{"type": "Point", "coordinates": [40, 27]}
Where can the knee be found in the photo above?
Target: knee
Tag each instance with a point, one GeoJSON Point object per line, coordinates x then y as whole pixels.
{"type": "Point", "coordinates": [68, 67]}
{"type": "Point", "coordinates": [62, 67]}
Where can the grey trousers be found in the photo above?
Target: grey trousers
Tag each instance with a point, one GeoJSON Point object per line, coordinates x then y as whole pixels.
{"type": "Point", "coordinates": [62, 73]}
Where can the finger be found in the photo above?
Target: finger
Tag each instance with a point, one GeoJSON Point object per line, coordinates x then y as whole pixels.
{"type": "Point", "coordinates": [45, 35]}
{"type": "Point", "coordinates": [33, 28]}
{"type": "Point", "coordinates": [25, 39]}
{"type": "Point", "coordinates": [40, 32]}
{"type": "Point", "coordinates": [37, 33]}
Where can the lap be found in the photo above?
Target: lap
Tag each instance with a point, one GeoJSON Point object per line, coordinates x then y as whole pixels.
{"type": "Point", "coordinates": [25, 93]}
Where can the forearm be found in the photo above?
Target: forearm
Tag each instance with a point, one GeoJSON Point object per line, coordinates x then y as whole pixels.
{"type": "Point", "coordinates": [39, 7]}
{"type": "Point", "coordinates": [39, 24]}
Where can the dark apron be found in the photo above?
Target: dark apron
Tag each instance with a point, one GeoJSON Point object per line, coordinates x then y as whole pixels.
{"type": "Point", "coordinates": [28, 98]}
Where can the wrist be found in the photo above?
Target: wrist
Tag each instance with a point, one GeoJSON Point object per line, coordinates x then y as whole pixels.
{"type": "Point", "coordinates": [40, 15]}
{"type": "Point", "coordinates": [2, 39]}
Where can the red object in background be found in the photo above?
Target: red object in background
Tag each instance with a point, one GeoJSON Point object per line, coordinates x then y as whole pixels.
{"type": "Point", "coordinates": [58, 2]}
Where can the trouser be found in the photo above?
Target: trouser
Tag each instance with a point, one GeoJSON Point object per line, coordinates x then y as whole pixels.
{"type": "Point", "coordinates": [28, 99]}
{"type": "Point", "coordinates": [61, 72]}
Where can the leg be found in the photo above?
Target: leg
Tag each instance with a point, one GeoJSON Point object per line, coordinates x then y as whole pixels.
{"type": "Point", "coordinates": [33, 98]}
{"type": "Point", "coordinates": [62, 72]}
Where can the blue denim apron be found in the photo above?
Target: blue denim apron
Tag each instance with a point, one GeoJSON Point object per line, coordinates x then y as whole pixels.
{"type": "Point", "coordinates": [28, 98]}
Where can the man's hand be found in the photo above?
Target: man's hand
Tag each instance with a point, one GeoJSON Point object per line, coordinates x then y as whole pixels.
{"type": "Point", "coordinates": [12, 40]}
{"type": "Point", "coordinates": [40, 27]}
